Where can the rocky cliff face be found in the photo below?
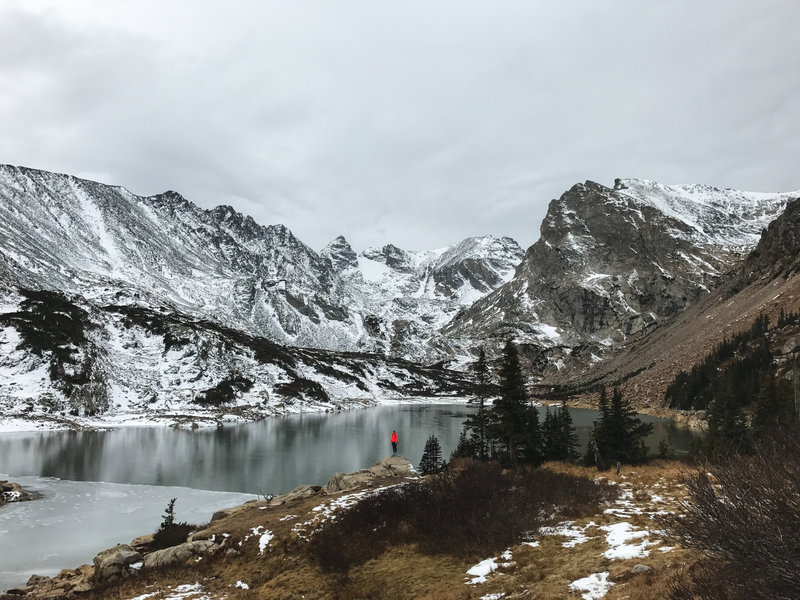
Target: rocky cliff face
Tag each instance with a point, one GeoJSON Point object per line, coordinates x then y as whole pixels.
{"type": "Point", "coordinates": [766, 282]}
{"type": "Point", "coordinates": [778, 250]}
{"type": "Point", "coordinates": [614, 262]}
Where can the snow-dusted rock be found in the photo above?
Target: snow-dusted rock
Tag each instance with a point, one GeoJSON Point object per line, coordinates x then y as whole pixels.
{"type": "Point", "coordinates": [391, 466]}
{"type": "Point", "coordinates": [111, 562]}
{"type": "Point", "coordinates": [179, 554]}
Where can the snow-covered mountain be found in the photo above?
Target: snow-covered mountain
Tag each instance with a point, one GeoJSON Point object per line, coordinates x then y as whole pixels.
{"type": "Point", "coordinates": [64, 358]}
{"type": "Point", "coordinates": [62, 233]}
{"type": "Point", "coordinates": [614, 262]}
{"type": "Point", "coordinates": [111, 301]}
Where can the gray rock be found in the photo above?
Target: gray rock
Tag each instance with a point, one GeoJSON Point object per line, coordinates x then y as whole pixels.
{"type": "Point", "coordinates": [113, 561]}
{"type": "Point", "coordinates": [143, 543]}
{"type": "Point", "coordinates": [392, 466]}
{"type": "Point", "coordinates": [34, 580]}
{"type": "Point", "coordinates": [640, 568]}
{"type": "Point", "coordinates": [298, 493]}
{"type": "Point", "coordinates": [179, 554]}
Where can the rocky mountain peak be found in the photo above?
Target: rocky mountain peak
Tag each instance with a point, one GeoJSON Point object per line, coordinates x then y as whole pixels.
{"type": "Point", "coordinates": [392, 256]}
{"type": "Point", "coordinates": [611, 262]}
{"type": "Point", "coordinates": [778, 250]}
{"type": "Point", "coordinates": [341, 254]}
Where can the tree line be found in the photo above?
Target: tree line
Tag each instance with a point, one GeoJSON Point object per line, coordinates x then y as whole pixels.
{"type": "Point", "coordinates": [511, 431]}
{"type": "Point", "coordinates": [737, 384]}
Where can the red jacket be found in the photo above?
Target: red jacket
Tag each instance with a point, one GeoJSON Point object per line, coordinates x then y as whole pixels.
{"type": "Point", "coordinates": [394, 437]}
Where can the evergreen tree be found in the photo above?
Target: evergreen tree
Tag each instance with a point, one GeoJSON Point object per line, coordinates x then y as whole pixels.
{"type": "Point", "coordinates": [479, 423]}
{"type": "Point", "coordinates": [727, 428]}
{"type": "Point", "coordinates": [431, 461]}
{"type": "Point", "coordinates": [515, 424]}
{"type": "Point", "coordinates": [465, 447]}
{"type": "Point", "coordinates": [550, 436]}
{"type": "Point", "coordinates": [567, 437]}
{"type": "Point", "coordinates": [559, 440]}
{"type": "Point", "coordinates": [775, 406]}
{"type": "Point", "coordinates": [618, 435]}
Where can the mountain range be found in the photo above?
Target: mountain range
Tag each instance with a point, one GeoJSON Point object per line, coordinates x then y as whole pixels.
{"type": "Point", "coordinates": [169, 307]}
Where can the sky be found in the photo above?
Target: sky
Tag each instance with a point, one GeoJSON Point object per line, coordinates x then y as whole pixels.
{"type": "Point", "coordinates": [409, 122]}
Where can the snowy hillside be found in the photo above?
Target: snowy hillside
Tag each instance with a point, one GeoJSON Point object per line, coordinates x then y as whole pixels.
{"type": "Point", "coordinates": [59, 232]}
{"type": "Point", "coordinates": [66, 360]}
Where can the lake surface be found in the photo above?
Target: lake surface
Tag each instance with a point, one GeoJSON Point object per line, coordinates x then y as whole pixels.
{"type": "Point", "coordinates": [101, 488]}
{"type": "Point", "coordinates": [272, 456]}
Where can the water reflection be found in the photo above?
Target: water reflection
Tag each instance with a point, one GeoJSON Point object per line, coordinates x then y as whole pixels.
{"type": "Point", "coordinates": [273, 455]}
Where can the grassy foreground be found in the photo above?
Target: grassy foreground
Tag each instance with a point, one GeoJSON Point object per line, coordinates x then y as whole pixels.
{"type": "Point", "coordinates": [568, 545]}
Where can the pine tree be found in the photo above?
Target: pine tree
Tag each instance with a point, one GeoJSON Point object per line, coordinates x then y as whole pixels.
{"type": "Point", "coordinates": [775, 406]}
{"type": "Point", "coordinates": [567, 438]}
{"type": "Point", "coordinates": [478, 424]}
{"type": "Point", "coordinates": [727, 428]}
{"type": "Point", "coordinates": [619, 434]}
{"type": "Point", "coordinates": [431, 461]}
{"type": "Point", "coordinates": [465, 447]}
{"type": "Point", "coordinates": [515, 424]}
{"type": "Point", "coordinates": [550, 436]}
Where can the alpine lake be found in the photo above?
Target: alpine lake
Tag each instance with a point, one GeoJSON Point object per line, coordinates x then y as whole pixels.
{"type": "Point", "coordinates": [99, 488]}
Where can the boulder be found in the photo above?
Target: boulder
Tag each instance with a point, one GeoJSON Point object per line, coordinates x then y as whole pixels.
{"type": "Point", "coordinates": [143, 543]}
{"type": "Point", "coordinates": [226, 512]}
{"type": "Point", "coordinates": [14, 492]}
{"type": "Point", "coordinates": [298, 493]}
{"type": "Point", "coordinates": [391, 466]}
{"type": "Point", "coordinates": [179, 554]}
{"type": "Point", "coordinates": [342, 482]}
{"type": "Point", "coordinates": [640, 568]}
{"type": "Point", "coordinates": [35, 580]}
{"type": "Point", "coordinates": [114, 561]}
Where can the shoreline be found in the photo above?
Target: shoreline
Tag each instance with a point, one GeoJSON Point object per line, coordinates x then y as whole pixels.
{"type": "Point", "coordinates": [198, 420]}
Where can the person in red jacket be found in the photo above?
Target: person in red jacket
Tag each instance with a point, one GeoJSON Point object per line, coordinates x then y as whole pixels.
{"type": "Point", "coordinates": [394, 442]}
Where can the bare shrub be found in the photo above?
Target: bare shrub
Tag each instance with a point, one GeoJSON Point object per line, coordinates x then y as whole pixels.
{"type": "Point", "coordinates": [742, 514]}
{"type": "Point", "coordinates": [474, 511]}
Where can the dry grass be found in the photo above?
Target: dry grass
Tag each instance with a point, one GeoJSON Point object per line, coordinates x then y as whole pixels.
{"type": "Point", "coordinates": [544, 572]}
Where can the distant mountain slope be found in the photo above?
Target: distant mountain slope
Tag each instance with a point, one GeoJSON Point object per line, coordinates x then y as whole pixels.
{"type": "Point", "coordinates": [62, 233]}
{"type": "Point", "coordinates": [611, 263]}
{"type": "Point", "coordinates": [62, 357]}
{"type": "Point", "coordinates": [767, 281]}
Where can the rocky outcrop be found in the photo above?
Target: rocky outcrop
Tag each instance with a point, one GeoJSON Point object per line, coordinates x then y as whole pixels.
{"type": "Point", "coordinates": [114, 562]}
{"type": "Point", "coordinates": [777, 253]}
{"type": "Point", "coordinates": [179, 554]}
{"type": "Point", "coordinates": [392, 466]}
{"type": "Point", "coordinates": [298, 493]}
{"type": "Point", "coordinates": [14, 492]}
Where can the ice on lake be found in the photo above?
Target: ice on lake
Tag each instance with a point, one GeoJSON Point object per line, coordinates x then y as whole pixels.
{"type": "Point", "coordinates": [74, 520]}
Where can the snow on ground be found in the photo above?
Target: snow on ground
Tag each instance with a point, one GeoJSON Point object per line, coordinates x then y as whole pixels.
{"type": "Point", "coordinates": [567, 529]}
{"type": "Point", "coordinates": [328, 510]}
{"type": "Point", "coordinates": [618, 534]}
{"type": "Point", "coordinates": [594, 586]}
{"type": "Point", "coordinates": [480, 571]}
{"type": "Point", "coordinates": [264, 541]}
{"type": "Point", "coordinates": [624, 540]}
{"type": "Point", "coordinates": [188, 591]}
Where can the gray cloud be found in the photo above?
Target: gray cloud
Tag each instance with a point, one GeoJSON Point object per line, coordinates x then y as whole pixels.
{"type": "Point", "coordinates": [413, 123]}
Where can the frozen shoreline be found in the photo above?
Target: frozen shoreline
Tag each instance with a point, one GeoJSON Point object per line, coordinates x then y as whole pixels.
{"type": "Point", "coordinates": [192, 420]}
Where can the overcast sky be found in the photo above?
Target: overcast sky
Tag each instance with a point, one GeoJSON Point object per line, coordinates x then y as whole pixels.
{"type": "Point", "coordinates": [396, 121]}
